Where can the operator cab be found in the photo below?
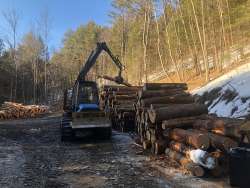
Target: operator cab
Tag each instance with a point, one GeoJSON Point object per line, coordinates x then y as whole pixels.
{"type": "Point", "coordinates": [86, 98]}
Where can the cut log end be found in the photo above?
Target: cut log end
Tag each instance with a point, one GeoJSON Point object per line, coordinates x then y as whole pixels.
{"type": "Point", "coordinates": [196, 170]}
{"type": "Point", "coordinates": [202, 142]}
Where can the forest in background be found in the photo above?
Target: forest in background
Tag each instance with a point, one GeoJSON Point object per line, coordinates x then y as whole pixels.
{"type": "Point", "coordinates": [181, 38]}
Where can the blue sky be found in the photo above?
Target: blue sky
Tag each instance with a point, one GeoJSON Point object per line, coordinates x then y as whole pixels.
{"type": "Point", "coordinates": [64, 14]}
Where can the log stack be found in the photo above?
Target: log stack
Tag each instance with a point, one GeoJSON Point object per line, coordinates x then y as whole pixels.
{"type": "Point", "coordinates": [118, 103]}
{"type": "Point", "coordinates": [11, 110]}
{"type": "Point", "coordinates": [158, 102]}
{"type": "Point", "coordinates": [168, 121]}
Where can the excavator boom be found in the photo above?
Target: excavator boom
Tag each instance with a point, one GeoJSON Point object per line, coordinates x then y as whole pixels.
{"type": "Point", "coordinates": [84, 114]}
{"type": "Point", "coordinates": [92, 60]}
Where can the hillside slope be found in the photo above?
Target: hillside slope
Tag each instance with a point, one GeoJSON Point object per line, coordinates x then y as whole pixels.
{"type": "Point", "coordinates": [228, 95]}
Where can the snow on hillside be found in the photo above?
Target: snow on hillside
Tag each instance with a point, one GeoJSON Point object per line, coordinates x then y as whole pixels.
{"type": "Point", "coordinates": [228, 95]}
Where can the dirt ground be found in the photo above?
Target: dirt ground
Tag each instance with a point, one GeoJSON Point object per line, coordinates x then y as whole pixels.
{"type": "Point", "coordinates": [32, 155]}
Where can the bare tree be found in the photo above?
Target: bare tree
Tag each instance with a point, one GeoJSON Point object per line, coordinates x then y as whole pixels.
{"type": "Point", "coordinates": [229, 21]}
{"type": "Point", "coordinates": [45, 27]}
{"type": "Point", "coordinates": [159, 46]}
{"type": "Point", "coordinates": [178, 48]}
{"type": "Point", "coordinates": [195, 46]}
{"type": "Point", "coordinates": [124, 39]}
{"type": "Point", "coordinates": [145, 36]}
{"type": "Point", "coordinates": [1, 46]}
{"type": "Point", "coordinates": [202, 41]}
{"type": "Point", "coordinates": [220, 9]}
{"type": "Point", "coordinates": [12, 18]}
{"type": "Point", "coordinates": [30, 50]}
{"type": "Point", "coordinates": [168, 40]}
{"type": "Point", "coordinates": [192, 51]}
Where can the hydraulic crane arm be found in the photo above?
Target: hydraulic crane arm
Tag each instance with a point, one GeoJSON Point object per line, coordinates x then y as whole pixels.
{"type": "Point", "coordinates": [92, 60]}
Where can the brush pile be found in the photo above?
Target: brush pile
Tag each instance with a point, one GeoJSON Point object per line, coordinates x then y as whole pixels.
{"type": "Point", "coordinates": [11, 110]}
{"type": "Point", "coordinates": [118, 101]}
{"type": "Point", "coordinates": [168, 121]}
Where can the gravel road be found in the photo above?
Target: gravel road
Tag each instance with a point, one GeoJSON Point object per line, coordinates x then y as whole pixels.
{"type": "Point", "coordinates": [32, 155]}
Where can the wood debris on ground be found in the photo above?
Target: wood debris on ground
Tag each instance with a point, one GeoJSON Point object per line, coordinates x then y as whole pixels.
{"type": "Point", "coordinates": [11, 110]}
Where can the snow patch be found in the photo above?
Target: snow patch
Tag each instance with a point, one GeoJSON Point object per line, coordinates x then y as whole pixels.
{"type": "Point", "coordinates": [202, 158]}
{"type": "Point", "coordinates": [233, 99]}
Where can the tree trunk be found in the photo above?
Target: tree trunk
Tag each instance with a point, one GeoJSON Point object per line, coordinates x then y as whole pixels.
{"type": "Point", "coordinates": [195, 139]}
{"type": "Point", "coordinates": [229, 22]}
{"type": "Point", "coordinates": [142, 94]}
{"type": "Point", "coordinates": [200, 38]}
{"type": "Point", "coordinates": [169, 47]}
{"type": "Point", "coordinates": [145, 40]}
{"type": "Point", "coordinates": [196, 58]}
{"type": "Point", "coordinates": [187, 38]}
{"type": "Point", "coordinates": [176, 99]}
{"type": "Point", "coordinates": [158, 86]}
{"type": "Point", "coordinates": [45, 81]}
{"type": "Point", "coordinates": [176, 111]}
{"type": "Point", "coordinates": [184, 122]}
{"type": "Point", "coordinates": [222, 21]}
{"type": "Point", "coordinates": [158, 48]}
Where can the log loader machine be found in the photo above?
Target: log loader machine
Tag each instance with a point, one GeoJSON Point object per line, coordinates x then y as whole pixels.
{"type": "Point", "coordinates": [82, 114]}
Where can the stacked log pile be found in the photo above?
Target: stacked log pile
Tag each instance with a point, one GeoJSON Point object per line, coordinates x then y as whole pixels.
{"type": "Point", "coordinates": [169, 98]}
{"type": "Point", "coordinates": [169, 122]}
{"type": "Point", "coordinates": [118, 101]}
{"type": "Point", "coordinates": [11, 110]}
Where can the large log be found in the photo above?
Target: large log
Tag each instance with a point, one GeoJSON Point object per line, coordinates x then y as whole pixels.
{"type": "Point", "coordinates": [180, 147]}
{"type": "Point", "coordinates": [129, 106]}
{"type": "Point", "coordinates": [222, 142]}
{"type": "Point", "coordinates": [219, 142]}
{"type": "Point", "coordinates": [197, 140]}
{"type": "Point", "coordinates": [113, 103]}
{"type": "Point", "coordinates": [158, 86]}
{"type": "Point", "coordinates": [122, 97]}
{"type": "Point", "coordinates": [195, 169]}
{"type": "Point", "coordinates": [154, 106]}
{"type": "Point", "coordinates": [228, 127]}
{"type": "Point", "coordinates": [158, 93]}
{"type": "Point", "coordinates": [176, 99]}
{"type": "Point", "coordinates": [222, 167]}
{"type": "Point", "coordinates": [123, 109]}
{"type": "Point", "coordinates": [176, 111]}
{"type": "Point", "coordinates": [125, 83]}
{"type": "Point", "coordinates": [223, 126]}
{"type": "Point", "coordinates": [122, 88]}
{"type": "Point", "coordinates": [183, 122]}
{"type": "Point", "coordinates": [125, 97]}
{"type": "Point", "coordinates": [107, 87]}
{"type": "Point", "coordinates": [133, 92]}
